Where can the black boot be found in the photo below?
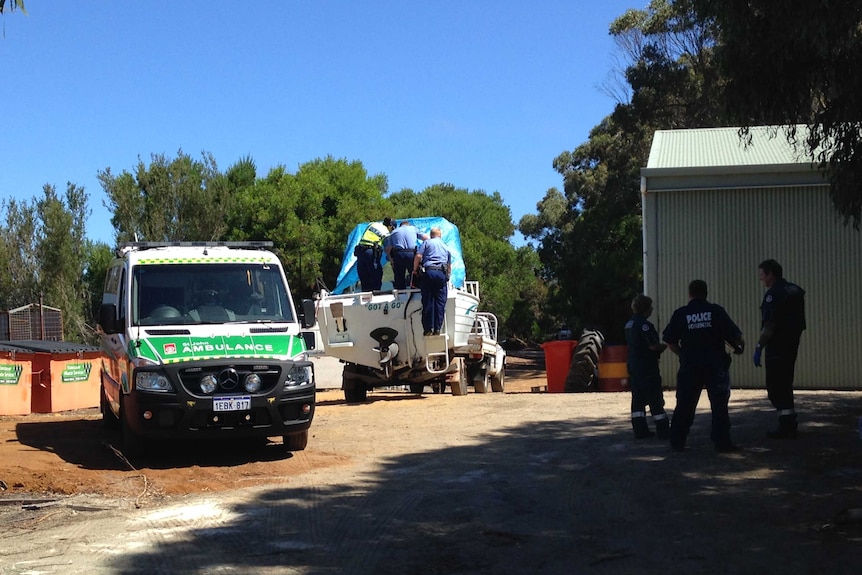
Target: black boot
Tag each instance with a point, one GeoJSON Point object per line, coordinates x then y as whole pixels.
{"type": "Point", "coordinates": [640, 427]}
{"type": "Point", "coordinates": [662, 428]}
{"type": "Point", "coordinates": [786, 428]}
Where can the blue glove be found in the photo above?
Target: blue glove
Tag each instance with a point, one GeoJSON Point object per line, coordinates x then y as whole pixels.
{"type": "Point", "coordinates": [757, 351]}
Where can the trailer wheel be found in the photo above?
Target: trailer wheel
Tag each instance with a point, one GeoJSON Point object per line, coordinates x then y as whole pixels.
{"type": "Point", "coordinates": [438, 385]}
{"type": "Point", "coordinates": [355, 390]}
{"type": "Point", "coordinates": [417, 388]}
{"type": "Point", "coordinates": [498, 381]}
{"type": "Point", "coordinates": [356, 393]}
{"type": "Point", "coordinates": [296, 441]}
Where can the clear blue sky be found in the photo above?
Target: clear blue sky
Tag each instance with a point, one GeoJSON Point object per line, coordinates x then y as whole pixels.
{"type": "Point", "coordinates": [479, 94]}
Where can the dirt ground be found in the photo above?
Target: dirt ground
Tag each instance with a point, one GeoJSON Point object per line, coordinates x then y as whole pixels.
{"type": "Point", "coordinates": [519, 482]}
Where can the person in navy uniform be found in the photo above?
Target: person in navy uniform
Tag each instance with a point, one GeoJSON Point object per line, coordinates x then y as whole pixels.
{"type": "Point", "coordinates": [697, 333]}
{"type": "Point", "coordinates": [401, 250]}
{"type": "Point", "coordinates": [644, 350]}
{"type": "Point", "coordinates": [435, 258]}
{"type": "Point", "coordinates": [369, 252]}
{"type": "Point", "coordinates": [782, 315]}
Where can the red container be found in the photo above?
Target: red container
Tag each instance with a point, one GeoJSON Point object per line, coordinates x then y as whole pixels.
{"type": "Point", "coordinates": [613, 371]}
{"type": "Point", "coordinates": [558, 359]}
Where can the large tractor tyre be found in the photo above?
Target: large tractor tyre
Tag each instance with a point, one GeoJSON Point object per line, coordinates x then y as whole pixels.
{"type": "Point", "coordinates": [498, 381]}
{"type": "Point", "coordinates": [581, 374]}
{"type": "Point", "coordinates": [295, 441]}
{"type": "Point", "coordinates": [457, 379]}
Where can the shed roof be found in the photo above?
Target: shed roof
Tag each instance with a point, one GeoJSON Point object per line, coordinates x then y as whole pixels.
{"type": "Point", "coordinates": [718, 157]}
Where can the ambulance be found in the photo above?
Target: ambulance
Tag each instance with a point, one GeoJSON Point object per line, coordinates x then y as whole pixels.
{"type": "Point", "coordinates": [202, 340]}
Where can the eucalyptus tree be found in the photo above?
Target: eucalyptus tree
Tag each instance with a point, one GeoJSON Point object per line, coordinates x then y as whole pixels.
{"type": "Point", "coordinates": [797, 62]}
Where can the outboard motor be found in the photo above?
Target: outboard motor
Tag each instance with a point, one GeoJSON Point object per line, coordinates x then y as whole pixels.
{"type": "Point", "coordinates": [386, 347]}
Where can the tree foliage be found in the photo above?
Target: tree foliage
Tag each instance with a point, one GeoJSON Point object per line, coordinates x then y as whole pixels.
{"type": "Point", "coordinates": [797, 62]}
{"type": "Point", "coordinates": [170, 199]}
{"type": "Point", "coordinates": [19, 4]}
{"type": "Point", "coordinates": [61, 252]}
{"type": "Point", "coordinates": [591, 251]}
{"type": "Point", "coordinates": [308, 215]}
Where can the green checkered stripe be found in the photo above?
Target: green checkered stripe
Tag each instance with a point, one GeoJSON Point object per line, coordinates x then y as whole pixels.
{"type": "Point", "coordinates": [177, 349]}
{"type": "Point", "coordinates": [206, 260]}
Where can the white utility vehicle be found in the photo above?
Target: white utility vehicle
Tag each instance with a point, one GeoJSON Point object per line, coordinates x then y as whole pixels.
{"type": "Point", "coordinates": [202, 340]}
{"type": "Point", "coordinates": [378, 335]}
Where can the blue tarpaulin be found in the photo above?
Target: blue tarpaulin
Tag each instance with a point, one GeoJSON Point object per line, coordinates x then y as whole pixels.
{"type": "Point", "coordinates": [348, 278]}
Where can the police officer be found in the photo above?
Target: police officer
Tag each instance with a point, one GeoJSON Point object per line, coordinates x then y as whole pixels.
{"type": "Point", "coordinates": [782, 315]}
{"type": "Point", "coordinates": [368, 253]}
{"type": "Point", "coordinates": [697, 333]}
{"type": "Point", "coordinates": [401, 250]}
{"type": "Point", "coordinates": [644, 350]}
{"type": "Point", "coordinates": [435, 258]}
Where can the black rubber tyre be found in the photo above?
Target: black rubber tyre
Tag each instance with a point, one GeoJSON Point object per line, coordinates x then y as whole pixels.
{"type": "Point", "coordinates": [109, 420]}
{"type": "Point", "coordinates": [295, 441]}
{"type": "Point", "coordinates": [478, 376]}
{"type": "Point", "coordinates": [133, 444]}
{"type": "Point", "coordinates": [356, 393]}
{"type": "Point", "coordinates": [417, 388]}
{"type": "Point", "coordinates": [498, 381]}
{"type": "Point", "coordinates": [457, 379]}
{"type": "Point", "coordinates": [355, 390]}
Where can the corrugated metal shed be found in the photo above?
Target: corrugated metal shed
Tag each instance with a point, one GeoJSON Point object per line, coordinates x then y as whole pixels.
{"type": "Point", "coordinates": [707, 218]}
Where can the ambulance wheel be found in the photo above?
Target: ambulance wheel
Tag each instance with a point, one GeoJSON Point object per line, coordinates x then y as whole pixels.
{"type": "Point", "coordinates": [133, 444]}
{"type": "Point", "coordinates": [109, 420]}
{"type": "Point", "coordinates": [295, 441]}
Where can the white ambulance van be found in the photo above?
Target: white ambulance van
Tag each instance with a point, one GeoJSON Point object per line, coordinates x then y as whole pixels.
{"type": "Point", "coordinates": [202, 340]}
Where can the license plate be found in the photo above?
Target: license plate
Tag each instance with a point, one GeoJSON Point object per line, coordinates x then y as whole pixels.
{"type": "Point", "coordinates": [232, 403]}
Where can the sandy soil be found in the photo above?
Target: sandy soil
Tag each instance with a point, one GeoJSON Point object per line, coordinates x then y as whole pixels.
{"type": "Point", "coordinates": [520, 482]}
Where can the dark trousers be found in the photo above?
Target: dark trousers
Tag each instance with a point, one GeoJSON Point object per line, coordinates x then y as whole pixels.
{"type": "Point", "coordinates": [690, 382]}
{"type": "Point", "coordinates": [780, 364]}
{"type": "Point", "coordinates": [402, 266]}
{"type": "Point", "coordinates": [646, 390]}
{"type": "Point", "coordinates": [368, 267]}
{"type": "Point", "coordinates": [434, 293]}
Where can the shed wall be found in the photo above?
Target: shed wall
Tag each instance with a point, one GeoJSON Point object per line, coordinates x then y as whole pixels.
{"type": "Point", "coordinates": [721, 235]}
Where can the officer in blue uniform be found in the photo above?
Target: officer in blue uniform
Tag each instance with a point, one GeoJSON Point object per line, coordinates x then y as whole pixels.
{"type": "Point", "coordinates": [644, 350]}
{"type": "Point", "coordinates": [369, 252]}
{"type": "Point", "coordinates": [782, 315]}
{"type": "Point", "coordinates": [401, 250]}
{"type": "Point", "coordinates": [435, 258]}
{"type": "Point", "coordinates": [697, 333]}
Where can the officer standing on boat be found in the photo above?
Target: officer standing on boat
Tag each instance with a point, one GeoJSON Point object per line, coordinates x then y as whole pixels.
{"type": "Point", "coordinates": [369, 252]}
{"type": "Point", "coordinates": [435, 258]}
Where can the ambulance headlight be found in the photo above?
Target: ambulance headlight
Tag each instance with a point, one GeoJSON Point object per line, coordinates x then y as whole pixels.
{"type": "Point", "coordinates": [302, 373]}
{"type": "Point", "coordinates": [152, 381]}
